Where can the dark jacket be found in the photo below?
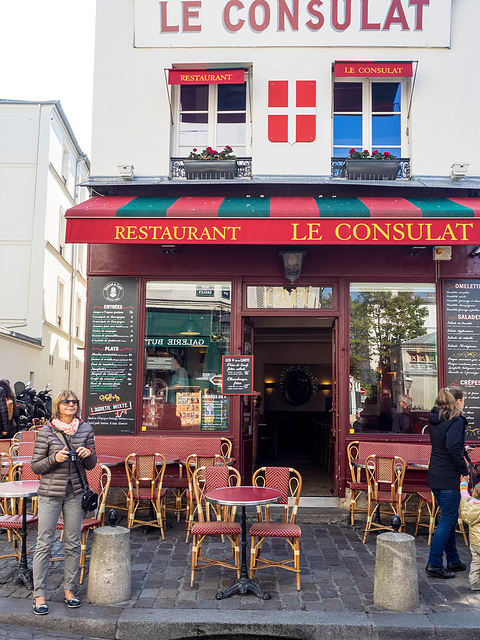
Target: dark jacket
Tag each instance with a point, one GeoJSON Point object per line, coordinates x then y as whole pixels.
{"type": "Point", "coordinates": [57, 477]}
{"type": "Point", "coordinates": [4, 421]}
{"type": "Point", "coordinates": [447, 463]}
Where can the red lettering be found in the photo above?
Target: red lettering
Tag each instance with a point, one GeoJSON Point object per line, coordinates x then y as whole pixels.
{"type": "Point", "coordinates": [292, 16]}
{"type": "Point", "coordinates": [229, 25]}
{"type": "Point", "coordinates": [366, 25]}
{"type": "Point", "coordinates": [348, 15]}
{"type": "Point", "coordinates": [164, 27]}
{"type": "Point", "coordinates": [256, 26]}
{"type": "Point", "coordinates": [396, 6]}
{"type": "Point", "coordinates": [419, 4]}
{"type": "Point", "coordinates": [311, 8]}
{"type": "Point", "coordinates": [190, 11]}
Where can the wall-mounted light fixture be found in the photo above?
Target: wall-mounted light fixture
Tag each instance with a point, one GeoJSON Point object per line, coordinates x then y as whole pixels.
{"type": "Point", "coordinates": [475, 252]}
{"type": "Point", "coordinates": [407, 381]}
{"type": "Point", "coordinates": [292, 263]}
{"type": "Point", "coordinates": [442, 253]}
{"type": "Point", "coordinates": [126, 171]}
{"type": "Point", "coordinates": [459, 170]}
{"type": "Point", "coordinates": [169, 248]}
{"type": "Point", "coordinates": [416, 251]}
{"type": "Point", "coordinates": [269, 385]}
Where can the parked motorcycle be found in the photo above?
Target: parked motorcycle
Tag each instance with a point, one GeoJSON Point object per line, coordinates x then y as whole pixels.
{"type": "Point", "coordinates": [46, 398]}
{"type": "Point", "coordinates": [31, 405]}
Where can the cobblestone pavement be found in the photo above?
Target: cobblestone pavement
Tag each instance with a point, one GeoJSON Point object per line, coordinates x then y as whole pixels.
{"type": "Point", "coordinates": [337, 574]}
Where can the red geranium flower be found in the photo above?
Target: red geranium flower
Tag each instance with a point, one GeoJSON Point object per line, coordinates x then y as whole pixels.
{"type": "Point", "coordinates": [386, 154]}
{"type": "Point", "coordinates": [352, 150]}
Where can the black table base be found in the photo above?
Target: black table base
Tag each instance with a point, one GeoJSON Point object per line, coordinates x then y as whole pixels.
{"type": "Point", "coordinates": [23, 572]}
{"type": "Point", "coordinates": [244, 584]}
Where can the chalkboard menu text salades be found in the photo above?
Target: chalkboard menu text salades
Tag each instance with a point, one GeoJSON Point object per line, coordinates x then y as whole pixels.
{"type": "Point", "coordinates": [462, 333]}
{"type": "Point", "coordinates": [111, 358]}
{"type": "Point", "coordinates": [237, 375]}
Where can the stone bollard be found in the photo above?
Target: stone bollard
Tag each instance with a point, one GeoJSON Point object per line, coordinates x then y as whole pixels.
{"type": "Point", "coordinates": [109, 576]}
{"type": "Point", "coordinates": [396, 577]}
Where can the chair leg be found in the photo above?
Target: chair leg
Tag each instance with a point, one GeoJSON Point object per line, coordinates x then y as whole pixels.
{"type": "Point", "coordinates": [461, 529]}
{"type": "Point", "coordinates": [296, 561]}
{"type": "Point", "coordinates": [83, 555]}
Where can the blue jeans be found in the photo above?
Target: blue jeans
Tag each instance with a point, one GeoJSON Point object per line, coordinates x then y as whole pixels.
{"type": "Point", "coordinates": [443, 540]}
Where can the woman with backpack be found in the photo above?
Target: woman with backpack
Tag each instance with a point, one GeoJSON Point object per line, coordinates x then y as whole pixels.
{"type": "Point", "coordinates": [8, 406]}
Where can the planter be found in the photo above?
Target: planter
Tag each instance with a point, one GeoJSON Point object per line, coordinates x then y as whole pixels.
{"type": "Point", "coordinates": [209, 169]}
{"type": "Point", "coordinates": [366, 169]}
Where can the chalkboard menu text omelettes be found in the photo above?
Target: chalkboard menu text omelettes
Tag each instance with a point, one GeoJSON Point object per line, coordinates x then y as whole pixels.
{"type": "Point", "coordinates": [112, 355]}
{"type": "Point", "coordinates": [237, 375]}
{"type": "Point", "coordinates": [462, 342]}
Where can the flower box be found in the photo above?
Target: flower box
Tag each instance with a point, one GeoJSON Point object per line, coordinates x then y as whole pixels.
{"type": "Point", "coordinates": [371, 169]}
{"type": "Point", "coordinates": [209, 169]}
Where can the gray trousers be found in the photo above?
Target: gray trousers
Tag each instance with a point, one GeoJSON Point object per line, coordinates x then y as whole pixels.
{"type": "Point", "coordinates": [49, 510]}
{"type": "Point", "coordinates": [474, 575]}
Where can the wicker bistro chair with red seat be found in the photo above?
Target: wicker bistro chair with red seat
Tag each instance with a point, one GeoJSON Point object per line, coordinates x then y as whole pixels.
{"type": "Point", "coordinates": [289, 482]}
{"type": "Point", "coordinates": [356, 485]}
{"type": "Point", "coordinates": [426, 500]}
{"type": "Point", "coordinates": [145, 477]}
{"type": "Point", "coordinates": [214, 520]}
{"type": "Point", "coordinates": [99, 481]}
{"type": "Point", "coordinates": [11, 518]}
{"type": "Point", "coordinates": [193, 463]}
{"type": "Point", "coordinates": [385, 476]}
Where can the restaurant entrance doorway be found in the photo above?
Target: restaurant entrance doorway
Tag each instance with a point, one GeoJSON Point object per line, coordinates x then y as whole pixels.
{"type": "Point", "coordinates": [294, 372]}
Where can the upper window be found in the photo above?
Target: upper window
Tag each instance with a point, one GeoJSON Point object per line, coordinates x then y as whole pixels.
{"type": "Point", "coordinates": [369, 114]}
{"type": "Point", "coordinates": [212, 115]}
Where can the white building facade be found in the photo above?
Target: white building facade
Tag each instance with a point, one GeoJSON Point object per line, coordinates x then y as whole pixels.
{"type": "Point", "coordinates": [42, 312]}
{"type": "Point", "coordinates": [292, 255]}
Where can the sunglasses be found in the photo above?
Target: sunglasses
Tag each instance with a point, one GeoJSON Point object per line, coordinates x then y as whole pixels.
{"type": "Point", "coordinates": [67, 402]}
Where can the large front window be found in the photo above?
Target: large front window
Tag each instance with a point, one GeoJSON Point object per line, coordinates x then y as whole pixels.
{"type": "Point", "coordinates": [393, 356]}
{"type": "Point", "coordinates": [369, 114]}
{"type": "Point", "coordinates": [212, 115]}
{"type": "Point", "coordinates": [187, 330]}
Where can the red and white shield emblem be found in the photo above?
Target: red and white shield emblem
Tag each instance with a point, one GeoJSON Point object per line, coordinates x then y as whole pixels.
{"type": "Point", "coordinates": [292, 110]}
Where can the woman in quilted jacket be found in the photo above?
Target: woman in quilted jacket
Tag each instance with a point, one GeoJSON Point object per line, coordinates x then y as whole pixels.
{"type": "Point", "coordinates": [61, 490]}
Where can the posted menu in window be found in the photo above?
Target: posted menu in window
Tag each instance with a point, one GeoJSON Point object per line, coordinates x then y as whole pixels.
{"type": "Point", "coordinates": [462, 334]}
{"type": "Point", "coordinates": [112, 355]}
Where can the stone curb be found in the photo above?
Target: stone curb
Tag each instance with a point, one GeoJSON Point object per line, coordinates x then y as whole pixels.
{"type": "Point", "coordinates": [116, 623]}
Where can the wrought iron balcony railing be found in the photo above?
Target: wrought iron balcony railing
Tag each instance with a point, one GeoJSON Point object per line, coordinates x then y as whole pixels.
{"type": "Point", "coordinates": [243, 169]}
{"type": "Point", "coordinates": [338, 169]}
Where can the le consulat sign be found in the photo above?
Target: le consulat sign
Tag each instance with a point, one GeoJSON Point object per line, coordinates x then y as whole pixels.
{"type": "Point", "coordinates": [291, 23]}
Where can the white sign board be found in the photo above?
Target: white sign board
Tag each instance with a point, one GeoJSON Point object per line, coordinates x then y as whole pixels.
{"type": "Point", "coordinates": [292, 23]}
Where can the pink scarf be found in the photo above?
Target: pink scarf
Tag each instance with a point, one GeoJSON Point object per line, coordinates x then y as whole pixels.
{"type": "Point", "coordinates": [69, 429]}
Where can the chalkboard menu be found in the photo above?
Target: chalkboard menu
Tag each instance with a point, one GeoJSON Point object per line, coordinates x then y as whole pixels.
{"type": "Point", "coordinates": [462, 328]}
{"type": "Point", "coordinates": [237, 375]}
{"type": "Point", "coordinates": [111, 355]}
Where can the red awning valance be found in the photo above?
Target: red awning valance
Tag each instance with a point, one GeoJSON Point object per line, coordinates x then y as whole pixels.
{"type": "Point", "coordinates": [371, 69]}
{"type": "Point", "coordinates": [275, 220]}
{"type": "Point", "coordinates": [206, 76]}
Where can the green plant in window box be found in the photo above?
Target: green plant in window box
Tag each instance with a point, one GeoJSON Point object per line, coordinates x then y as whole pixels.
{"type": "Point", "coordinates": [210, 164]}
{"type": "Point", "coordinates": [363, 165]}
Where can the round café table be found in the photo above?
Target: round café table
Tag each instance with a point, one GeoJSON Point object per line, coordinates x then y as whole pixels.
{"type": "Point", "coordinates": [21, 489]}
{"type": "Point", "coordinates": [110, 461]}
{"type": "Point", "coordinates": [243, 497]}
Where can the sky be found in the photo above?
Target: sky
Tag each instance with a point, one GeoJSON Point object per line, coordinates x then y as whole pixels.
{"type": "Point", "coordinates": [46, 53]}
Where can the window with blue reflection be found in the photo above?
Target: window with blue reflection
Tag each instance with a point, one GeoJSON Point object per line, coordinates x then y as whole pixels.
{"type": "Point", "coordinates": [386, 130]}
{"type": "Point", "coordinates": [386, 96]}
{"type": "Point", "coordinates": [347, 97]}
{"type": "Point", "coordinates": [347, 130]}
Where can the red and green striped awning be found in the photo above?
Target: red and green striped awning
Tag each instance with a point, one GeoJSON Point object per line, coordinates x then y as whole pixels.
{"type": "Point", "coordinates": [275, 220]}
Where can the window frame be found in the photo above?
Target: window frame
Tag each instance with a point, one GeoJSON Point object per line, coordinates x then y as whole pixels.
{"type": "Point", "coordinates": [212, 113]}
{"type": "Point", "coordinates": [367, 113]}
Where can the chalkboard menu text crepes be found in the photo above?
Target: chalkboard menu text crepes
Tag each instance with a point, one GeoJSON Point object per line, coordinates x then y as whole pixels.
{"type": "Point", "coordinates": [462, 333]}
{"type": "Point", "coordinates": [112, 358]}
{"type": "Point", "coordinates": [237, 375]}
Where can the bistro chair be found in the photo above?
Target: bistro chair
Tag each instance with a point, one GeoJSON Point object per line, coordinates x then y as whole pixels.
{"type": "Point", "coordinates": [356, 486]}
{"type": "Point", "coordinates": [385, 481]}
{"type": "Point", "coordinates": [145, 476]}
{"type": "Point", "coordinates": [99, 481]}
{"type": "Point", "coordinates": [5, 445]}
{"type": "Point", "coordinates": [193, 463]}
{"type": "Point", "coordinates": [427, 502]}
{"type": "Point", "coordinates": [24, 436]}
{"type": "Point", "coordinates": [289, 482]}
{"type": "Point", "coordinates": [11, 518]}
{"type": "Point", "coordinates": [214, 520]}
